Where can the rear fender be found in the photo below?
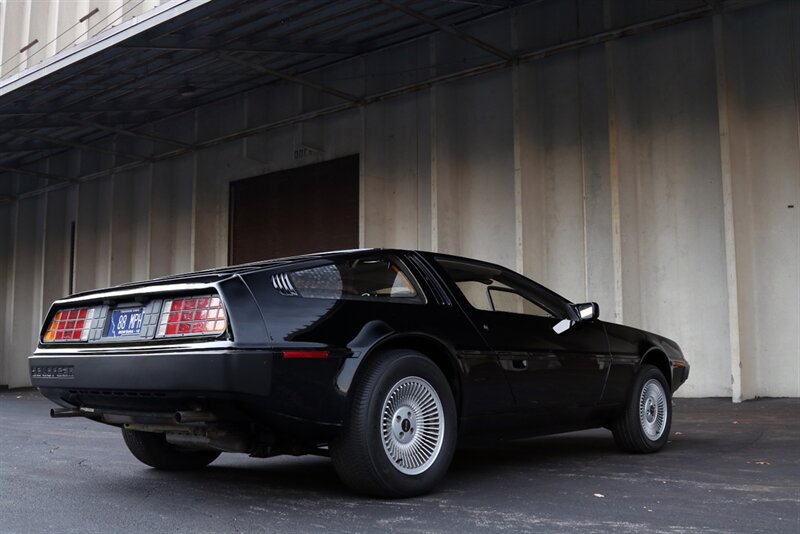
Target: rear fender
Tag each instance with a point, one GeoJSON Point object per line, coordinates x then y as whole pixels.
{"type": "Point", "coordinates": [244, 316]}
{"type": "Point", "coordinates": [377, 336]}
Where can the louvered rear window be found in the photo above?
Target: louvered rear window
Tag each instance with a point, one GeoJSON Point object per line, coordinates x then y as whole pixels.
{"type": "Point", "coordinates": [363, 278]}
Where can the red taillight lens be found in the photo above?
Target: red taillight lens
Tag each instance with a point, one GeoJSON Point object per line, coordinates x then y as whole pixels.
{"type": "Point", "coordinates": [195, 316]}
{"type": "Point", "coordinates": [305, 354]}
{"type": "Point", "coordinates": [70, 325]}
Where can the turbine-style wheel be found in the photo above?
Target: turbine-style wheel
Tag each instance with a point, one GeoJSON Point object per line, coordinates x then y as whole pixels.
{"type": "Point", "coordinates": [413, 425]}
{"type": "Point", "coordinates": [644, 424]}
{"type": "Point", "coordinates": [653, 409]}
{"type": "Point", "coordinates": [400, 435]}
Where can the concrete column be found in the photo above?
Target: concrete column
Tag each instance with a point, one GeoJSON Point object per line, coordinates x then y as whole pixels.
{"type": "Point", "coordinates": [362, 178]}
{"type": "Point", "coordinates": [110, 14]}
{"type": "Point", "coordinates": [2, 48]}
{"type": "Point", "coordinates": [434, 153]}
{"type": "Point", "coordinates": [8, 243]}
{"type": "Point", "coordinates": [16, 30]}
{"type": "Point", "coordinates": [42, 28]}
{"type": "Point", "coordinates": [613, 154]}
{"type": "Point", "coordinates": [519, 216]}
{"type": "Point", "coordinates": [52, 28]}
{"type": "Point", "coordinates": [727, 202]}
{"type": "Point", "coordinates": [70, 29]}
{"type": "Point", "coordinates": [114, 10]}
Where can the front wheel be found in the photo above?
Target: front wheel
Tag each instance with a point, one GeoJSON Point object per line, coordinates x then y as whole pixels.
{"type": "Point", "coordinates": [644, 425]}
{"type": "Point", "coordinates": [154, 450]}
{"type": "Point", "coordinates": [400, 436]}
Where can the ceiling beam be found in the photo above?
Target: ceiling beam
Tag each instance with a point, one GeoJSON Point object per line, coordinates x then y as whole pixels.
{"type": "Point", "coordinates": [447, 28]}
{"type": "Point", "coordinates": [288, 77]}
{"type": "Point", "coordinates": [206, 44]}
{"type": "Point", "coordinates": [238, 18]}
{"type": "Point", "coordinates": [127, 133]}
{"type": "Point", "coordinates": [24, 148]}
{"type": "Point", "coordinates": [488, 3]}
{"type": "Point", "coordinates": [42, 124]}
{"type": "Point", "coordinates": [83, 146]}
{"type": "Point", "coordinates": [24, 110]}
{"type": "Point", "coordinates": [37, 174]}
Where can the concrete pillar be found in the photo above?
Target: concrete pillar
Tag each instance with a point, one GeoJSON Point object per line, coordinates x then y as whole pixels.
{"type": "Point", "coordinates": [16, 30]}
{"type": "Point", "coordinates": [70, 30]}
{"type": "Point", "coordinates": [727, 201]}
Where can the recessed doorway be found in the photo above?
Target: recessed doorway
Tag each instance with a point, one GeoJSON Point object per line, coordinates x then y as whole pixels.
{"type": "Point", "coordinates": [296, 211]}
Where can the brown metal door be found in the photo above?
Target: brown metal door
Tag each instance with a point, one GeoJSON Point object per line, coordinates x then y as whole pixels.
{"type": "Point", "coordinates": [297, 211]}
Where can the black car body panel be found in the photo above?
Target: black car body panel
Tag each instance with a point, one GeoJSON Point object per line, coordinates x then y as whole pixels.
{"type": "Point", "coordinates": [286, 364]}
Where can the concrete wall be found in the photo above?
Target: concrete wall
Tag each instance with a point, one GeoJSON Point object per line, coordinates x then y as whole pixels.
{"type": "Point", "coordinates": [762, 58]}
{"type": "Point", "coordinates": [56, 24]}
{"type": "Point", "coordinates": [652, 174]}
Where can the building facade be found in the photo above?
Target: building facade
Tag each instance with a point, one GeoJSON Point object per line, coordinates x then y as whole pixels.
{"type": "Point", "coordinates": [655, 170]}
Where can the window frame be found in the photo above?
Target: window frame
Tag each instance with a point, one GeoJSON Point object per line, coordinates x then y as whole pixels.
{"type": "Point", "coordinates": [526, 288]}
{"type": "Point", "coordinates": [420, 298]}
{"type": "Point", "coordinates": [513, 291]}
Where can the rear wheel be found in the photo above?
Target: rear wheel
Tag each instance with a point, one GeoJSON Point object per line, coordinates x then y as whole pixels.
{"type": "Point", "coordinates": [400, 436]}
{"type": "Point", "coordinates": [644, 425]}
{"type": "Point", "coordinates": [153, 449]}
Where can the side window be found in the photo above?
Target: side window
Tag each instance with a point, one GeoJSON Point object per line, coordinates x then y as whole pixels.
{"type": "Point", "coordinates": [359, 279]}
{"type": "Point", "coordinates": [488, 289]}
{"type": "Point", "coordinates": [508, 300]}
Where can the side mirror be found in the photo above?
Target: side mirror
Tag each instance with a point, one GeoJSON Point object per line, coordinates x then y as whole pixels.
{"type": "Point", "coordinates": [580, 312]}
{"type": "Point", "coordinates": [587, 311]}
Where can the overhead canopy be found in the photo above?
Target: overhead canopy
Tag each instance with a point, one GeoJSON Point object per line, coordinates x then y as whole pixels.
{"type": "Point", "coordinates": [187, 53]}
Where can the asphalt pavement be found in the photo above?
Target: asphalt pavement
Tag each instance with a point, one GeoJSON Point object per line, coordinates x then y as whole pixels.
{"type": "Point", "coordinates": [727, 468]}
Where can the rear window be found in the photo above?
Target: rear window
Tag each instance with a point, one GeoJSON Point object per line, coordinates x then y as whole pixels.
{"type": "Point", "coordinates": [358, 279]}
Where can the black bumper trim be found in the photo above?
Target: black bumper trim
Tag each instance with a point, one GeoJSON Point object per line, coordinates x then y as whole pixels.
{"type": "Point", "coordinates": [241, 371]}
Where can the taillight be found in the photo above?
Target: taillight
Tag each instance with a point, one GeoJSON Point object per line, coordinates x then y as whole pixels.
{"type": "Point", "coordinates": [195, 316]}
{"type": "Point", "coordinates": [70, 325]}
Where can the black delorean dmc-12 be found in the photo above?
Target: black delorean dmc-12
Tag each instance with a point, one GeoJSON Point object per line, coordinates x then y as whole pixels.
{"type": "Point", "coordinates": [381, 359]}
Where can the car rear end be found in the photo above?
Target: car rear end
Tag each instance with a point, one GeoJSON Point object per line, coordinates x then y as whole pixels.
{"type": "Point", "coordinates": [154, 354]}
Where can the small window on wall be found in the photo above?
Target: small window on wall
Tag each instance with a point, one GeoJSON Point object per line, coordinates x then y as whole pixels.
{"type": "Point", "coordinates": [359, 279]}
{"type": "Point", "coordinates": [488, 289]}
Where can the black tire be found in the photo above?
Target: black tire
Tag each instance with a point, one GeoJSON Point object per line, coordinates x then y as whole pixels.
{"type": "Point", "coordinates": [361, 453]}
{"type": "Point", "coordinates": [153, 449]}
{"type": "Point", "coordinates": [643, 426]}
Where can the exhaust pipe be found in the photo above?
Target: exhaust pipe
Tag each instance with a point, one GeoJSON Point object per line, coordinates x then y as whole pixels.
{"type": "Point", "coordinates": [183, 418]}
{"type": "Point", "coordinates": [66, 412]}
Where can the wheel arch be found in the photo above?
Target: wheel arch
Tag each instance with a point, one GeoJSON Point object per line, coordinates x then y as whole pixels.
{"type": "Point", "coordinates": [436, 350]}
{"type": "Point", "coordinates": [656, 357]}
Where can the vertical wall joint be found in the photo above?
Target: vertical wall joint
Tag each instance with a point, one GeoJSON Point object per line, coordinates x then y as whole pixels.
{"type": "Point", "coordinates": [613, 157]}
{"type": "Point", "coordinates": [727, 206]}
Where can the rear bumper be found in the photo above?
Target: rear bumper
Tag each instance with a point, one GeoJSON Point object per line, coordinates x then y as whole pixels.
{"type": "Point", "coordinates": [213, 371]}
{"type": "Point", "coordinates": [237, 385]}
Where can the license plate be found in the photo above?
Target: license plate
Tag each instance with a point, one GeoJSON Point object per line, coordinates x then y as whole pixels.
{"type": "Point", "coordinates": [125, 323]}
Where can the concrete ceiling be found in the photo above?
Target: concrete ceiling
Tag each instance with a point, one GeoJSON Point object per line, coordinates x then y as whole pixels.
{"type": "Point", "coordinates": [188, 53]}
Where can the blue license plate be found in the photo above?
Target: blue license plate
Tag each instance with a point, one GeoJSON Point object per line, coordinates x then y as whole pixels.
{"type": "Point", "coordinates": [125, 323]}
